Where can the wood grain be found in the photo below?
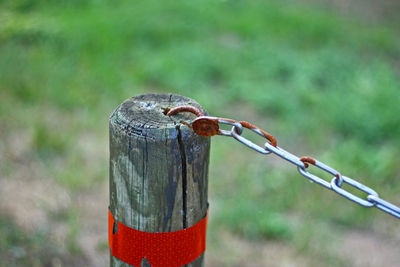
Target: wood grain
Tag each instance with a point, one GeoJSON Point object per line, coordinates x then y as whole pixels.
{"type": "Point", "coordinates": [158, 167]}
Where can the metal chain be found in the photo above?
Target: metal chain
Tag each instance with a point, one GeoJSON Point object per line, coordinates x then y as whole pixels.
{"type": "Point", "coordinates": [209, 126]}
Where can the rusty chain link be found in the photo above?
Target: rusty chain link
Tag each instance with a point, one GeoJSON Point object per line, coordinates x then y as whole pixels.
{"type": "Point", "coordinates": [209, 126]}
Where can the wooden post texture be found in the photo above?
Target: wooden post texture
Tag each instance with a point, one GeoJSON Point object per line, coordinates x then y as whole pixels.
{"type": "Point", "coordinates": [158, 167]}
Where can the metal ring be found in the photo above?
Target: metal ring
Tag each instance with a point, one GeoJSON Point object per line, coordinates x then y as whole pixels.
{"type": "Point", "coordinates": [330, 170]}
{"type": "Point", "coordinates": [323, 167]}
{"type": "Point", "coordinates": [236, 126]}
{"type": "Point", "coordinates": [314, 178]}
{"type": "Point", "coordinates": [350, 196]}
{"type": "Point", "coordinates": [248, 143]}
{"type": "Point", "coordinates": [384, 205]}
{"type": "Point", "coordinates": [284, 155]}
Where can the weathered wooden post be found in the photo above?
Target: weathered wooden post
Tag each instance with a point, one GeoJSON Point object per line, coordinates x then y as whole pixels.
{"type": "Point", "coordinates": [158, 168]}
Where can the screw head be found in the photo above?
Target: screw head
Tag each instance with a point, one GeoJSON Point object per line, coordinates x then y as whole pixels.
{"type": "Point", "coordinates": [205, 126]}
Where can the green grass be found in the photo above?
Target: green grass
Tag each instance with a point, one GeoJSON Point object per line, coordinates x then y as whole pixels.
{"type": "Point", "coordinates": [326, 85]}
{"type": "Point", "coordinates": [17, 248]}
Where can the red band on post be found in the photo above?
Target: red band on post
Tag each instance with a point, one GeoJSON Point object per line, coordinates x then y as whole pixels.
{"type": "Point", "coordinates": [160, 249]}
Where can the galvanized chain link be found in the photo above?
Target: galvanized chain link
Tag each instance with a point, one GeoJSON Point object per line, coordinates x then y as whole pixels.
{"type": "Point", "coordinates": [209, 126]}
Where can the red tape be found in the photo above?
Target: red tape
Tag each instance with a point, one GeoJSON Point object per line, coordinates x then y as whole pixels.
{"type": "Point", "coordinates": [160, 249]}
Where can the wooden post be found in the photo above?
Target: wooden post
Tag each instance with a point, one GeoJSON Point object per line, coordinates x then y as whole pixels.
{"type": "Point", "coordinates": [158, 167]}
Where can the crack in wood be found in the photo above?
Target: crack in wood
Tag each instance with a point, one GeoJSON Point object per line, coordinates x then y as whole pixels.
{"type": "Point", "coordinates": [184, 176]}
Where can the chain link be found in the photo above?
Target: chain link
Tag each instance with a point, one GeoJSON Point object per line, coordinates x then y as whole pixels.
{"type": "Point", "coordinates": [209, 126]}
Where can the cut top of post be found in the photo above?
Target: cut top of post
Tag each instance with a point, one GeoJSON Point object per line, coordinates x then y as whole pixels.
{"type": "Point", "coordinates": [145, 115]}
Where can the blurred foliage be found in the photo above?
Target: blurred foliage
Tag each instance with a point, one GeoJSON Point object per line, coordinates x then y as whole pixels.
{"type": "Point", "coordinates": [18, 248]}
{"type": "Point", "coordinates": [324, 83]}
{"type": "Point", "coordinates": [46, 142]}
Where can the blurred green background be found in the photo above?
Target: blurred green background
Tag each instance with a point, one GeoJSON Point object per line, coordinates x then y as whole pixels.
{"type": "Point", "coordinates": [323, 77]}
